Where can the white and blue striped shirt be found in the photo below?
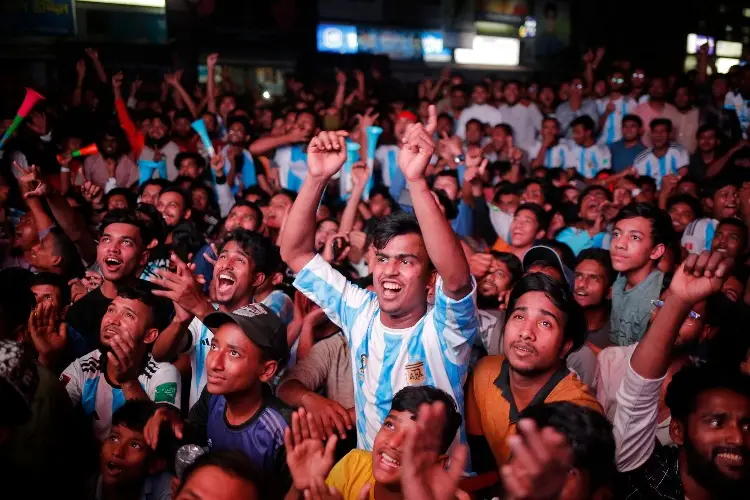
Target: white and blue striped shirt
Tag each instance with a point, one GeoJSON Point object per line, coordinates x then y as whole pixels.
{"type": "Point", "coordinates": [699, 235]}
{"type": "Point", "coordinates": [589, 161]}
{"type": "Point", "coordinates": [555, 157]}
{"type": "Point", "coordinates": [292, 164]}
{"type": "Point", "coordinates": [612, 129]}
{"type": "Point", "coordinates": [741, 106]}
{"type": "Point", "coordinates": [649, 164]}
{"type": "Point", "coordinates": [433, 352]}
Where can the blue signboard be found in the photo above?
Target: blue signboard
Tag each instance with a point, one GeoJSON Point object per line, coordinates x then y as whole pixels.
{"type": "Point", "coordinates": [337, 38]}
{"type": "Point", "coordinates": [37, 17]}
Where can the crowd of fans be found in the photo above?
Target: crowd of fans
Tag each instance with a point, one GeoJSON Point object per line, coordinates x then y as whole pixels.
{"type": "Point", "coordinates": [451, 290]}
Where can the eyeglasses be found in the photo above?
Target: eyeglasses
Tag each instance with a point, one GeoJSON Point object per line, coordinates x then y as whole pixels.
{"type": "Point", "coordinates": [660, 303]}
{"type": "Point", "coordinates": [618, 80]}
{"type": "Point", "coordinates": [638, 75]}
{"type": "Point", "coordinates": [579, 86]}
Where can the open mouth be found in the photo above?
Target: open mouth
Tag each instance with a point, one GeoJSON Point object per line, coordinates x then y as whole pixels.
{"type": "Point", "coordinates": [388, 462]}
{"type": "Point", "coordinates": [523, 350]}
{"type": "Point", "coordinates": [226, 281]}
{"type": "Point", "coordinates": [112, 263]}
{"type": "Point", "coordinates": [391, 289]}
{"type": "Point", "coordinates": [581, 293]}
{"type": "Point", "coordinates": [113, 469]}
{"type": "Point", "coordinates": [733, 459]}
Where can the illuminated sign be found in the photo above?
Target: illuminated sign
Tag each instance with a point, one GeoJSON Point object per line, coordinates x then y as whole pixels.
{"type": "Point", "coordinates": [433, 47]}
{"type": "Point", "coordinates": [490, 51]}
{"type": "Point", "coordinates": [728, 49]}
{"type": "Point", "coordinates": [694, 42]}
{"type": "Point", "coordinates": [132, 3]}
{"type": "Point", "coordinates": [724, 63]}
{"type": "Point", "coordinates": [340, 39]}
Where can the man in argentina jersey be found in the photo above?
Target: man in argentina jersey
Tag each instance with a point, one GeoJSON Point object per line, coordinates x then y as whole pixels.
{"type": "Point", "coordinates": [739, 100]}
{"type": "Point", "coordinates": [587, 157]}
{"type": "Point", "coordinates": [699, 234]}
{"type": "Point", "coordinates": [664, 158]}
{"type": "Point", "coordinates": [613, 109]}
{"type": "Point", "coordinates": [101, 381]}
{"type": "Point", "coordinates": [236, 155]}
{"type": "Point", "coordinates": [291, 160]}
{"type": "Point", "coordinates": [395, 340]}
{"type": "Point", "coordinates": [242, 266]}
{"type": "Point", "coordinates": [550, 151]}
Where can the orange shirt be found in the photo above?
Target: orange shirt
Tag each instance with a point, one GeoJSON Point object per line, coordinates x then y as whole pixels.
{"type": "Point", "coordinates": [491, 411]}
{"type": "Point", "coordinates": [501, 246]}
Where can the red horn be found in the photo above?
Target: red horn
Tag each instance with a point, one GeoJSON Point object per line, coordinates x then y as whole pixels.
{"type": "Point", "coordinates": [32, 97]}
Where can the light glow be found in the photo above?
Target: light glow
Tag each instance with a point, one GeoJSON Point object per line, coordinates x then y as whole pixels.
{"type": "Point", "coordinates": [133, 3]}
{"type": "Point", "coordinates": [490, 51]}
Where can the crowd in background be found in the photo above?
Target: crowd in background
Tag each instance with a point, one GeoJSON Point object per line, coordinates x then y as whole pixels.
{"type": "Point", "coordinates": [453, 289]}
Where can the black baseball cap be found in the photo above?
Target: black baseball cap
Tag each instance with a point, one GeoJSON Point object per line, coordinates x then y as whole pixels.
{"type": "Point", "coordinates": [261, 325]}
{"type": "Point", "coordinates": [542, 253]}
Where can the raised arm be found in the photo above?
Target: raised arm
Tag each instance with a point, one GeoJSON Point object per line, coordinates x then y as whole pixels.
{"type": "Point", "coordinates": [94, 56]}
{"type": "Point", "coordinates": [211, 83]}
{"type": "Point", "coordinates": [173, 79]}
{"type": "Point", "coordinates": [325, 156]}
{"type": "Point", "coordinates": [81, 75]}
{"type": "Point", "coordinates": [443, 246]}
{"type": "Point", "coordinates": [338, 100]}
{"type": "Point", "coordinates": [269, 142]}
{"type": "Point", "coordinates": [360, 176]}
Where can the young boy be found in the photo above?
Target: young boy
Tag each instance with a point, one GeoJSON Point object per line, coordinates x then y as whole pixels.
{"type": "Point", "coordinates": [639, 239]}
{"type": "Point", "coordinates": [101, 381]}
{"type": "Point", "coordinates": [722, 201]}
{"type": "Point", "coordinates": [380, 469]}
{"type": "Point", "coordinates": [664, 158]}
{"type": "Point", "coordinates": [236, 411]}
{"type": "Point", "coordinates": [128, 468]}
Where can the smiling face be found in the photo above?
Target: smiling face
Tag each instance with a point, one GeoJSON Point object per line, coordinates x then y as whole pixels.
{"type": "Point", "coordinates": [660, 136]}
{"type": "Point", "coordinates": [172, 207]}
{"type": "Point", "coordinates": [630, 130]}
{"type": "Point", "coordinates": [237, 135]}
{"type": "Point", "coordinates": [120, 252]}
{"type": "Point", "coordinates": [533, 193]}
{"type": "Point", "coordinates": [681, 215]}
{"type": "Point", "coordinates": [726, 202]}
{"type": "Point", "coordinates": [524, 229]}
{"type": "Point", "coordinates": [150, 194]}
{"type": "Point", "coordinates": [591, 205]}
{"type": "Point", "coordinates": [400, 275]}
{"type": "Point", "coordinates": [126, 317]}
{"type": "Point", "coordinates": [591, 285]}
{"type": "Point", "coordinates": [235, 275]}
{"type": "Point", "coordinates": [717, 440]}
{"type": "Point", "coordinates": [241, 217]}
{"type": "Point", "coordinates": [386, 450]}
{"type": "Point", "coordinates": [124, 457]}
{"type": "Point", "coordinates": [234, 363]}
{"type": "Point", "coordinates": [499, 279]}
{"type": "Point", "coordinates": [729, 240]}
{"type": "Point", "coordinates": [533, 337]}
{"type": "Point", "coordinates": [632, 244]}
{"type": "Point", "coordinates": [324, 231]}
{"type": "Point", "coordinates": [189, 168]}
{"type": "Point", "coordinates": [157, 129]}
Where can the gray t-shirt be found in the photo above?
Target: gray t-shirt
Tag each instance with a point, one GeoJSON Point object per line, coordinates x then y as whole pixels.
{"type": "Point", "coordinates": [600, 338]}
{"type": "Point", "coordinates": [583, 362]}
{"type": "Point", "coordinates": [631, 309]}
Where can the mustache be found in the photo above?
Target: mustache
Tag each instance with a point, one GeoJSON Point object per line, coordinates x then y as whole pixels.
{"type": "Point", "coordinates": [525, 345]}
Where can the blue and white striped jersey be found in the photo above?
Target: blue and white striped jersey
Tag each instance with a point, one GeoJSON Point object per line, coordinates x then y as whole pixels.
{"type": "Point", "coordinates": [589, 161]}
{"type": "Point", "coordinates": [87, 385]}
{"type": "Point", "coordinates": [741, 106]}
{"type": "Point", "coordinates": [699, 235]}
{"type": "Point", "coordinates": [386, 157]}
{"type": "Point", "coordinates": [649, 164]}
{"type": "Point", "coordinates": [199, 339]}
{"type": "Point", "coordinates": [612, 129]}
{"type": "Point", "coordinates": [555, 157]}
{"type": "Point", "coordinates": [434, 352]}
{"type": "Point", "coordinates": [292, 164]}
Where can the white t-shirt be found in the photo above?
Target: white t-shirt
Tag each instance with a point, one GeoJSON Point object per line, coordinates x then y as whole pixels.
{"type": "Point", "coordinates": [526, 122]}
{"type": "Point", "coordinates": [488, 115]}
{"type": "Point", "coordinates": [434, 352]}
{"type": "Point", "coordinates": [649, 164]}
{"type": "Point", "coordinates": [87, 386]}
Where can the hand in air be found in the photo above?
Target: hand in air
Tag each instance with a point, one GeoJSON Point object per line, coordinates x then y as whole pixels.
{"type": "Point", "coordinates": [326, 154]}
{"type": "Point", "coordinates": [418, 148]}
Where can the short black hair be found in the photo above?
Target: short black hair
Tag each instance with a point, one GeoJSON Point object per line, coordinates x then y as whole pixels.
{"type": "Point", "coordinates": [156, 224]}
{"type": "Point", "coordinates": [585, 121]}
{"type": "Point", "coordinates": [540, 213]}
{"type": "Point", "coordinates": [71, 264]}
{"type": "Point", "coordinates": [252, 206]}
{"type": "Point", "coordinates": [255, 245]}
{"type": "Point", "coordinates": [691, 381]}
{"type": "Point", "coordinates": [731, 221]}
{"type": "Point", "coordinates": [263, 197]}
{"type": "Point", "coordinates": [234, 463]}
{"type": "Point", "coordinates": [54, 280]}
{"type": "Point", "coordinates": [450, 208]}
{"type": "Point", "coordinates": [395, 224]}
{"type": "Point", "coordinates": [186, 197]}
{"type": "Point", "coordinates": [561, 296]}
{"type": "Point", "coordinates": [130, 198]}
{"type": "Point", "coordinates": [662, 231]}
{"type": "Point", "coordinates": [475, 122]}
{"type": "Point", "coordinates": [633, 118]}
{"type": "Point", "coordinates": [245, 121]}
{"type": "Point", "coordinates": [410, 398]}
{"type": "Point", "coordinates": [128, 217]}
{"type": "Point", "coordinates": [142, 293]}
{"type": "Point", "coordinates": [286, 192]}
{"type": "Point", "coordinates": [603, 258]}
{"type": "Point", "coordinates": [688, 200]}
{"type": "Point", "coordinates": [134, 414]}
{"type": "Point", "coordinates": [186, 240]}
{"type": "Point", "coordinates": [504, 126]}
{"type": "Point", "coordinates": [661, 121]}
{"type": "Point", "coordinates": [187, 155]}
{"type": "Point", "coordinates": [163, 183]}
{"type": "Point", "coordinates": [707, 127]}
{"type": "Point", "coordinates": [588, 433]}
{"type": "Point", "coordinates": [515, 266]}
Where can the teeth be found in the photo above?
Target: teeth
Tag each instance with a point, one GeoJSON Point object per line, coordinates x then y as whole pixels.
{"type": "Point", "coordinates": [391, 286]}
{"type": "Point", "coordinates": [732, 457]}
{"type": "Point", "coordinates": [227, 277]}
{"type": "Point", "coordinates": [390, 459]}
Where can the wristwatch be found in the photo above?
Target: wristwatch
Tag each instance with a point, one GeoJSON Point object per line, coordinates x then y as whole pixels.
{"type": "Point", "coordinates": [460, 158]}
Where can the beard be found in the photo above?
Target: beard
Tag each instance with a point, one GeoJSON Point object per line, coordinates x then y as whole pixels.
{"type": "Point", "coordinates": [157, 143]}
{"type": "Point", "coordinates": [708, 475]}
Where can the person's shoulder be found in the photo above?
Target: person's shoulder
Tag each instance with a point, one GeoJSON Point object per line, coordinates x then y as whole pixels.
{"type": "Point", "coordinates": [277, 415]}
{"type": "Point", "coordinates": [488, 368]}
{"type": "Point", "coordinates": [572, 389]}
{"type": "Point", "coordinates": [643, 155]}
{"type": "Point", "coordinates": [356, 462]}
{"type": "Point", "coordinates": [89, 364]}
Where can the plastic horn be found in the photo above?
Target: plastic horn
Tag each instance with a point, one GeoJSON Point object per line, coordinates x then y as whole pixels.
{"type": "Point", "coordinates": [345, 180]}
{"type": "Point", "coordinates": [146, 170]}
{"type": "Point", "coordinates": [372, 143]}
{"type": "Point", "coordinates": [32, 97]}
{"type": "Point", "coordinates": [200, 127]}
{"type": "Point", "coordinates": [91, 149]}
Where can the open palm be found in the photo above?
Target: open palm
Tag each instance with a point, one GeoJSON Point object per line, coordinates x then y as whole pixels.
{"type": "Point", "coordinates": [306, 455]}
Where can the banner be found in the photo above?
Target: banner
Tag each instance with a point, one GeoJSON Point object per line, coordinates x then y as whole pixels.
{"type": "Point", "coordinates": [37, 17]}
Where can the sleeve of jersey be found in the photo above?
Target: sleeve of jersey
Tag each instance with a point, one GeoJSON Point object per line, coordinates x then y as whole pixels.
{"type": "Point", "coordinates": [456, 320]}
{"type": "Point", "coordinates": [191, 339]}
{"type": "Point", "coordinates": [71, 379]}
{"type": "Point", "coordinates": [342, 301]}
{"type": "Point", "coordinates": [165, 385]}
